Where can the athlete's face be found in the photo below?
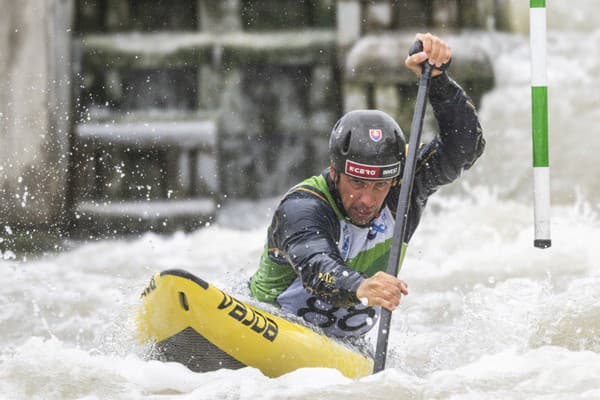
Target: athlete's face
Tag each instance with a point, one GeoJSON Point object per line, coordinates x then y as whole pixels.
{"type": "Point", "coordinates": [362, 199]}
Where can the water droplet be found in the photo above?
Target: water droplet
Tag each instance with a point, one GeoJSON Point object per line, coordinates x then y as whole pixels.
{"type": "Point", "coordinates": [9, 255]}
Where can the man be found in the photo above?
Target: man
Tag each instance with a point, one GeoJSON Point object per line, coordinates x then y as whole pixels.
{"type": "Point", "coordinates": [330, 237]}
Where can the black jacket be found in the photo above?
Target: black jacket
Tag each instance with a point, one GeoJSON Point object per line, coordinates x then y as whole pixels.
{"type": "Point", "coordinates": [305, 228]}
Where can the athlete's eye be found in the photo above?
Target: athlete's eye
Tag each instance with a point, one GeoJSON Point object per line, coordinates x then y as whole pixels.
{"type": "Point", "coordinates": [358, 184]}
{"type": "Point", "coordinates": [382, 185]}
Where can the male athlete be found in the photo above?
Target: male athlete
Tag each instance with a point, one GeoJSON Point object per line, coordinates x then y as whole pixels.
{"type": "Point", "coordinates": [330, 237]}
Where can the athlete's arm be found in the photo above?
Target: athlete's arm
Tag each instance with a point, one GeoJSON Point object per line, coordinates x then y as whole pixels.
{"type": "Point", "coordinates": [455, 148]}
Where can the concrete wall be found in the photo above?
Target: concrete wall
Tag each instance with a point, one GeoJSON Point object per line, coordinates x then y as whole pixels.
{"type": "Point", "coordinates": [34, 96]}
{"type": "Point", "coordinates": [35, 93]}
{"type": "Point", "coordinates": [512, 16]}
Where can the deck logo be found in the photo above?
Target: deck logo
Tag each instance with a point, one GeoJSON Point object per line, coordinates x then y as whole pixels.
{"type": "Point", "coordinates": [151, 286]}
{"type": "Point", "coordinates": [250, 317]}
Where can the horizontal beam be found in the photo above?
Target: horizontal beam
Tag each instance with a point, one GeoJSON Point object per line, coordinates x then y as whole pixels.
{"type": "Point", "coordinates": [155, 209]}
{"type": "Point", "coordinates": [179, 49]}
{"type": "Point", "coordinates": [145, 134]}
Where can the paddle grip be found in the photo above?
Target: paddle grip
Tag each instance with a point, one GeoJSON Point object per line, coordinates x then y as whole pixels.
{"type": "Point", "coordinates": [417, 47]}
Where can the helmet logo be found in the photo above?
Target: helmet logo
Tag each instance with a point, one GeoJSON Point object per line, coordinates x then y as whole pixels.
{"type": "Point", "coordinates": [375, 135]}
{"type": "Point", "coordinates": [364, 171]}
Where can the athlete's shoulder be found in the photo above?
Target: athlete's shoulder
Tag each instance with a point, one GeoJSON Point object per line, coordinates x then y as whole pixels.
{"type": "Point", "coordinates": [314, 187]}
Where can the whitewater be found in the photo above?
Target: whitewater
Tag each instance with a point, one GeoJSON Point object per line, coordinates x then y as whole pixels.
{"type": "Point", "coordinates": [488, 315]}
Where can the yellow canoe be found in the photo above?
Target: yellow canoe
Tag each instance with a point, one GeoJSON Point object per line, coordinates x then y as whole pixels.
{"type": "Point", "coordinates": [204, 328]}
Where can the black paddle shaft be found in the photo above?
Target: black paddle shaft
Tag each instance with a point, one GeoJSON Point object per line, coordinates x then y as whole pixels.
{"type": "Point", "coordinates": [403, 201]}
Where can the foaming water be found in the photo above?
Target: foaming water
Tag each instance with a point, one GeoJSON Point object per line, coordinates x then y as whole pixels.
{"type": "Point", "coordinates": [480, 291]}
{"type": "Point", "coordinates": [573, 109]}
{"type": "Point", "coordinates": [488, 315]}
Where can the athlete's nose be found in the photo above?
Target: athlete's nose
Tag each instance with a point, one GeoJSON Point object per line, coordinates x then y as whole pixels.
{"type": "Point", "coordinates": [367, 198]}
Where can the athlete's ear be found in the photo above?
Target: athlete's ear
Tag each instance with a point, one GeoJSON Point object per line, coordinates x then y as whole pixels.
{"type": "Point", "coordinates": [333, 174]}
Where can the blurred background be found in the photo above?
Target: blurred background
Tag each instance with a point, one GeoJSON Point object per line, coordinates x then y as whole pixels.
{"type": "Point", "coordinates": [123, 116]}
{"type": "Point", "coordinates": [125, 125]}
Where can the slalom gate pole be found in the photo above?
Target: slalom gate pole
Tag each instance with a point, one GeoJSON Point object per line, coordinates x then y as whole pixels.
{"type": "Point", "coordinates": [539, 119]}
{"type": "Point", "coordinates": [403, 202]}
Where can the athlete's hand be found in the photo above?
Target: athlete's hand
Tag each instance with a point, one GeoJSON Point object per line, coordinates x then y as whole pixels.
{"type": "Point", "coordinates": [434, 49]}
{"type": "Point", "coordinates": [382, 289]}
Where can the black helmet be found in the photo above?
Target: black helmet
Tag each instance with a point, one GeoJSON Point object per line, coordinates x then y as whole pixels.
{"type": "Point", "coordinates": [367, 144]}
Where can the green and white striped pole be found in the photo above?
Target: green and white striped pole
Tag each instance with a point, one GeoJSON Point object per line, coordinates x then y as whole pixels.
{"type": "Point", "coordinates": [539, 119]}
